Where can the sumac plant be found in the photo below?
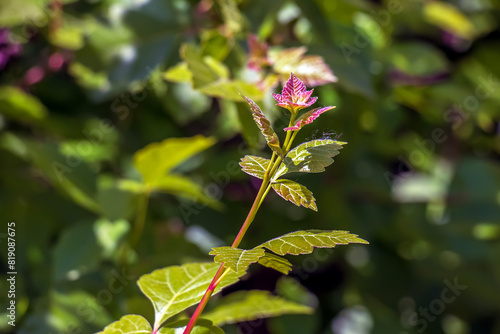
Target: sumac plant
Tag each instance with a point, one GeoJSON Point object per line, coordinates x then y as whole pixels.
{"type": "Point", "coordinates": [176, 288]}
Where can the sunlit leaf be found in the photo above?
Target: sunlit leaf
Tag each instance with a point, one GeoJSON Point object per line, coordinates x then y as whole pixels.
{"type": "Point", "coordinates": [312, 70]}
{"type": "Point", "coordinates": [18, 105]}
{"type": "Point", "coordinates": [233, 20]}
{"type": "Point", "coordinates": [304, 242]}
{"type": "Point", "coordinates": [295, 193]}
{"type": "Point", "coordinates": [307, 118]}
{"type": "Point", "coordinates": [254, 165]}
{"type": "Point", "coordinates": [173, 289]}
{"type": "Point", "coordinates": [156, 159]}
{"type": "Point", "coordinates": [310, 157]}
{"type": "Point", "coordinates": [14, 13]}
{"type": "Point", "coordinates": [276, 262]}
{"type": "Point", "coordinates": [178, 73]}
{"type": "Point", "coordinates": [265, 127]}
{"type": "Point", "coordinates": [235, 258]}
{"type": "Point", "coordinates": [202, 73]}
{"type": "Point", "coordinates": [136, 324]}
{"type": "Point", "coordinates": [448, 17]}
{"type": "Point", "coordinates": [129, 324]}
{"type": "Point", "coordinates": [251, 305]}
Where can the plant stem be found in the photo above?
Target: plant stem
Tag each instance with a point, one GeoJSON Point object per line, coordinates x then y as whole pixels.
{"type": "Point", "coordinates": [264, 189]}
{"type": "Point", "coordinates": [140, 219]}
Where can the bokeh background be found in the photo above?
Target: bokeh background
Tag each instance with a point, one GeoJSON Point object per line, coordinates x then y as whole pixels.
{"type": "Point", "coordinates": [86, 84]}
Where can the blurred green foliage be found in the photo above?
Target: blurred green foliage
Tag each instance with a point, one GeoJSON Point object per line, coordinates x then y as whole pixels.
{"type": "Point", "coordinates": [84, 85]}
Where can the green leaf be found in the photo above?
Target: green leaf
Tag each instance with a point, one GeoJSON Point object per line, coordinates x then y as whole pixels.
{"type": "Point", "coordinates": [156, 159]}
{"type": "Point", "coordinates": [254, 165]}
{"type": "Point", "coordinates": [276, 262]}
{"type": "Point", "coordinates": [14, 13]}
{"type": "Point", "coordinates": [232, 90]}
{"type": "Point", "coordinates": [235, 258]}
{"type": "Point", "coordinates": [419, 59]}
{"type": "Point", "coordinates": [310, 157]}
{"type": "Point", "coordinates": [18, 105]}
{"type": "Point", "coordinates": [136, 324]}
{"type": "Point", "coordinates": [129, 324]}
{"type": "Point", "coordinates": [265, 127]}
{"type": "Point", "coordinates": [173, 289]}
{"type": "Point", "coordinates": [183, 187]}
{"type": "Point", "coordinates": [252, 305]}
{"type": "Point", "coordinates": [448, 17]}
{"type": "Point", "coordinates": [303, 242]}
{"type": "Point", "coordinates": [202, 73]}
{"type": "Point", "coordinates": [295, 193]}
{"type": "Point", "coordinates": [178, 73]}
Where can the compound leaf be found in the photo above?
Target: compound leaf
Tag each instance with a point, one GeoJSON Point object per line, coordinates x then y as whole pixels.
{"type": "Point", "coordinates": [310, 157]}
{"type": "Point", "coordinates": [156, 159]}
{"type": "Point", "coordinates": [173, 289]}
{"type": "Point", "coordinates": [235, 258]}
{"type": "Point", "coordinates": [265, 127]}
{"type": "Point", "coordinates": [251, 305]}
{"type": "Point", "coordinates": [304, 242]}
{"type": "Point", "coordinates": [276, 262]}
{"type": "Point", "coordinates": [255, 166]}
{"type": "Point", "coordinates": [295, 193]}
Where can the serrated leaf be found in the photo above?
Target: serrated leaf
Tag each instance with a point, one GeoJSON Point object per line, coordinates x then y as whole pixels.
{"type": "Point", "coordinates": [254, 165]}
{"type": "Point", "coordinates": [310, 157]}
{"type": "Point", "coordinates": [304, 242]}
{"type": "Point", "coordinates": [156, 159]}
{"type": "Point", "coordinates": [265, 127]}
{"type": "Point", "coordinates": [175, 288]}
{"type": "Point", "coordinates": [295, 193]}
{"type": "Point", "coordinates": [235, 258]}
{"type": "Point", "coordinates": [276, 262]}
{"type": "Point", "coordinates": [307, 118]}
{"type": "Point", "coordinates": [251, 305]}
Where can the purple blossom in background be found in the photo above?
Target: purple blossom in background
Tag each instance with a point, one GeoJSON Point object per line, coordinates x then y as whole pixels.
{"type": "Point", "coordinates": [7, 48]}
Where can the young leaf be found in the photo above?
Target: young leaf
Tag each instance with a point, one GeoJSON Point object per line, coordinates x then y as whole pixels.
{"type": "Point", "coordinates": [307, 118]}
{"type": "Point", "coordinates": [295, 193]}
{"type": "Point", "coordinates": [294, 95]}
{"type": "Point", "coordinates": [156, 159]}
{"type": "Point", "coordinates": [276, 262]}
{"type": "Point", "coordinates": [310, 157]}
{"type": "Point", "coordinates": [303, 242]}
{"type": "Point", "coordinates": [265, 127]}
{"type": "Point", "coordinates": [255, 166]}
{"type": "Point", "coordinates": [235, 258]}
{"type": "Point", "coordinates": [175, 288]}
{"type": "Point", "coordinates": [251, 305]}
